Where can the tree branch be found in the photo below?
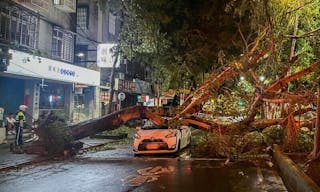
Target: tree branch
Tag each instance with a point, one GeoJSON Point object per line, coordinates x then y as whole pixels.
{"type": "Point", "coordinates": [281, 82]}
{"type": "Point", "coordinates": [307, 34]}
{"type": "Point", "coordinates": [302, 6]}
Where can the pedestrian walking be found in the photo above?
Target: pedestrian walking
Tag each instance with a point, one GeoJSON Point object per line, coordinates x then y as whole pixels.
{"type": "Point", "coordinates": [20, 124]}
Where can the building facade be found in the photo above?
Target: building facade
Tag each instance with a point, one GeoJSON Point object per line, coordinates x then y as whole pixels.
{"type": "Point", "coordinates": [39, 37]}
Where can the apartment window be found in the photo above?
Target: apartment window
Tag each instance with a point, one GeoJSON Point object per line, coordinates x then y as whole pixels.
{"type": "Point", "coordinates": [112, 24]}
{"type": "Point", "coordinates": [4, 24]}
{"type": "Point", "coordinates": [18, 27]}
{"type": "Point", "coordinates": [82, 18]}
{"type": "Point", "coordinates": [56, 2]}
{"type": "Point", "coordinates": [62, 44]}
{"type": "Point", "coordinates": [81, 54]}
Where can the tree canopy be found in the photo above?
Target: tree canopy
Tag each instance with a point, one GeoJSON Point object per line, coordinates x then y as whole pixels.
{"type": "Point", "coordinates": [242, 56]}
{"type": "Point", "coordinates": [185, 39]}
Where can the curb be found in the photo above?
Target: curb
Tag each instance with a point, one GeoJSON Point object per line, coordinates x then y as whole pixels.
{"type": "Point", "coordinates": [15, 166]}
{"type": "Point", "coordinates": [293, 177]}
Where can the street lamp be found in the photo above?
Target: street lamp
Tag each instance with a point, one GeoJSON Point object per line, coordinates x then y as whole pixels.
{"type": "Point", "coordinates": [262, 78]}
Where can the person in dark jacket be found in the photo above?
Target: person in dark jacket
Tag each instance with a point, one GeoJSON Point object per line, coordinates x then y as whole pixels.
{"type": "Point", "coordinates": [20, 124]}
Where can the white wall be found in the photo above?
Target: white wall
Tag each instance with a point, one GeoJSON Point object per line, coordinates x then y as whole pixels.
{"type": "Point", "coordinates": [45, 38]}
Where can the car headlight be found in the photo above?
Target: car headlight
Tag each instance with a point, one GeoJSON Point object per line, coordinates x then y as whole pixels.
{"type": "Point", "coordinates": [137, 136]}
{"type": "Point", "coordinates": [172, 134]}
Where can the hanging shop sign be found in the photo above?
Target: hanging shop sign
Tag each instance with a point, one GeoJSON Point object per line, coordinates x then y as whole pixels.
{"type": "Point", "coordinates": [106, 55]}
{"type": "Point", "coordinates": [125, 86]}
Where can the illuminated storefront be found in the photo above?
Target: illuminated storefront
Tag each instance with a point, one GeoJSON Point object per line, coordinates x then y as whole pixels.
{"type": "Point", "coordinates": [51, 85]}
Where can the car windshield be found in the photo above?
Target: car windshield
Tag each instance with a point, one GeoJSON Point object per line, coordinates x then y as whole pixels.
{"type": "Point", "coordinates": [148, 124]}
{"type": "Point", "coordinates": [154, 127]}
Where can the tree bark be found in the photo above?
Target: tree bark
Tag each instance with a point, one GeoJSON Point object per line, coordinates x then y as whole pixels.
{"type": "Point", "coordinates": [294, 40]}
{"type": "Point", "coordinates": [112, 81]}
{"type": "Point", "coordinates": [210, 89]}
{"type": "Point", "coordinates": [281, 82]}
{"type": "Point", "coordinates": [111, 121]}
{"type": "Point", "coordinates": [316, 146]}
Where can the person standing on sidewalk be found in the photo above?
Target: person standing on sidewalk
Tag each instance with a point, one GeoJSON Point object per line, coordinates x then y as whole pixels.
{"type": "Point", "coordinates": [10, 120]}
{"type": "Point", "coordinates": [20, 124]}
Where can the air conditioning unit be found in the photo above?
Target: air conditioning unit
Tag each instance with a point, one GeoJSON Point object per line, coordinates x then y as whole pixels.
{"type": "Point", "coordinates": [68, 6]}
{"type": "Point", "coordinates": [78, 91]}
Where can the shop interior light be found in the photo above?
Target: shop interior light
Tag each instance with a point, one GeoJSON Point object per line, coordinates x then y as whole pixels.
{"type": "Point", "coordinates": [80, 54]}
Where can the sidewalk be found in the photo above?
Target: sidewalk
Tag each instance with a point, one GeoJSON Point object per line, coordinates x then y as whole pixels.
{"type": "Point", "coordinates": [9, 160]}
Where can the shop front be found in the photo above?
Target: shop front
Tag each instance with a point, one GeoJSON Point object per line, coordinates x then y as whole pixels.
{"type": "Point", "coordinates": [84, 102]}
{"type": "Point", "coordinates": [51, 86]}
{"type": "Point", "coordinates": [137, 92]}
{"type": "Point", "coordinates": [12, 94]}
{"type": "Point", "coordinates": [54, 97]}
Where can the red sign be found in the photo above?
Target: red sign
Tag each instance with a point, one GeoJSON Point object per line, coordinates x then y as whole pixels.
{"type": "Point", "coordinates": [126, 86]}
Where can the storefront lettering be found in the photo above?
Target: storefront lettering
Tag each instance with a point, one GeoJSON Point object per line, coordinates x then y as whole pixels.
{"type": "Point", "coordinates": [127, 86]}
{"type": "Point", "coordinates": [62, 71]}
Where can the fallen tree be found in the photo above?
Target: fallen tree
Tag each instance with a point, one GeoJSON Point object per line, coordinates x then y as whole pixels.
{"type": "Point", "coordinates": [275, 93]}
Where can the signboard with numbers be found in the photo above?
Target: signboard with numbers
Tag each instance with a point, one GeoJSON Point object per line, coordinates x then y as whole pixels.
{"type": "Point", "coordinates": [40, 67]}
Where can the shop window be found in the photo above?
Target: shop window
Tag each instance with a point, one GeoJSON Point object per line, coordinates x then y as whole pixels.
{"type": "Point", "coordinates": [78, 100]}
{"type": "Point", "coordinates": [62, 44]}
{"type": "Point", "coordinates": [81, 53]}
{"type": "Point", "coordinates": [18, 27]}
{"type": "Point", "coordinates": [52, 98]}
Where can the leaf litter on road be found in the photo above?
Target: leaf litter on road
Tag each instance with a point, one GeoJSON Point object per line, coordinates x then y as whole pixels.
{"type": "Point", "coordinates": [146, 175]}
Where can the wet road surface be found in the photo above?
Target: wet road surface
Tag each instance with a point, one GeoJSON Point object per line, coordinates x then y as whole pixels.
{"type": "Point", "coordinates": [141, 174]}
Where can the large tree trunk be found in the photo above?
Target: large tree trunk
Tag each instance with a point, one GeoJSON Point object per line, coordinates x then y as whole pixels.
{"type": "Point", "coordinates": [315, 154]}
{"type": "Point", "coordinates": [112, 81]}
{"type": "Point", "coordinates": [112, 121]}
